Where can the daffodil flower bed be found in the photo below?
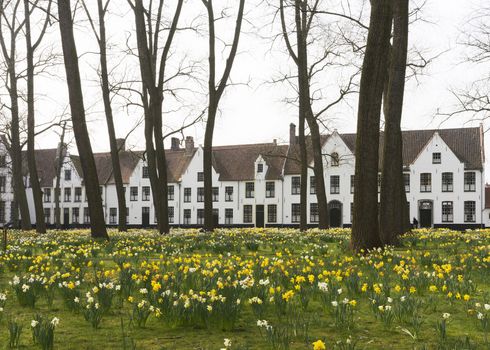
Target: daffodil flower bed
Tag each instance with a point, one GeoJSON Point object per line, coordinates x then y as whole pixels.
{"type": "Point", "coordinates": [255, 288]}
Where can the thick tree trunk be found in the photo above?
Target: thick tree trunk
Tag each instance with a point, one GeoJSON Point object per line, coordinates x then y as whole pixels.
{"type": "Point", "coordinates": [208, 165]}
{"type": "Point", "coordinates": [57, 188]}
{"type": "Point", "coordinates": [393, 215]}
{"type": "Point", "coordinates": [303, 220]}
{"type": "Point", "coordinates": [97, 222]}
{"type": "Point", "coordinates": [31, 155]}
{"type": "Point", "coordinates": [365, 230]}
{"type": "Point", "coordinates": [116, 166]}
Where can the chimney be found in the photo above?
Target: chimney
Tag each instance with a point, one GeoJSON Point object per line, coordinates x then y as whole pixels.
{"type": "Point", "coordinates": [189, 145]}
{"type": "Point", "coordinates": [175, 146]}
{"type": "Point", "coordinates": [121, 145]}
{"type": "Point", "coordinates": [274, 142]}
{"type": "Point", "coordinates": [292, 134]}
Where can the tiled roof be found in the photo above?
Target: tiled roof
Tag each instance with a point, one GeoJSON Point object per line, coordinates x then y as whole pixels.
{"type": "Point", "coordinates": [464, 142]}
{"type": "Point", "coordinates": [46, 165]}
{"type": "Point", "coordinates": [236, 163]}
{"type": "Point", "coordinates": [293, 162]}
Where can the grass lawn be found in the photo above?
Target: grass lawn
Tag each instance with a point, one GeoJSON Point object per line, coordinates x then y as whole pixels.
{"type": "Point", "coordinates": [259, 288]}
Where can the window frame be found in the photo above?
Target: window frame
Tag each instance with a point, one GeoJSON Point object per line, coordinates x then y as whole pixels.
{"type": "Point", "coordinates": [272, 213]}
{"type": "Point", "coordinates": [436, 157]}
{"type": "Point", "coordinates": [133, 193]}
{"type": "Point", "coordinates": [295, 212]}
{"type": "Point", "coordinates": [67, 195]}
{"type": "Point", "coordinates": [314, 213]}
{"type": "Point", "coordinates": [248, 214]}
{"type": "Point", "coordinates": [113, 216]}
{"type": "Point", "coordinates": [170, 192]}
{"type": "Point", "coordinates": [470, 186]}
{"type": "Point", "coordinates": [187, 194]}
{"type": "Point", "coordinates": [270, 192]}
{"type": "Point", "coordinates": [427, 188]}
{"type": "Point", "coordinates": [334, 189]}
{"type": "Point", "coordinates": [472, 208]}
{"type": "Point", "coordinates": [229, 193]}
{"type": "Point", "coordinates": [228, 217]}
{"type": "Point", "coordinates": [296, 185]}
{"type": "Point", "coordinates": [447, 211]}
{"type": "Point", "coordinates": [445, 185]}
{"type": "Point", "coordinates": [145, 193]}
{"type": "Point", "coordinates": [249, 189]}
{"type": "Point", "coordinates": [200, 195]}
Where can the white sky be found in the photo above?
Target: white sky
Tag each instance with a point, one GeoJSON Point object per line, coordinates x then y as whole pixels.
{"type": "Point", "coordinates": [257, 112]}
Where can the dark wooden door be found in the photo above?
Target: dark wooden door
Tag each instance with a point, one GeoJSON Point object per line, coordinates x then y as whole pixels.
{"type": "Point", "coordinates": [425, 218]}
{"type": "Point", "coordinates": [215, 217]}
{"type": "Point", "coordinates": [259, 216]}
{"type": "Point", "coordinates": [145, 217]}
{"type": "Point", "coordinates": [335, 217]}
{"type": "Point", "coordinates": [66, 217]}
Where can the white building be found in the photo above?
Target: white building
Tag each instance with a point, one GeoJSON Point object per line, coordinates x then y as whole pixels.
{"type": "Point", "coordinates": [259, 184]}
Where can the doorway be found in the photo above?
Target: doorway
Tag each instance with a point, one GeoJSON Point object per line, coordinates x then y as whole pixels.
{"type": "Point", "coordinates": [66, 217]}
{"type": "Point", "coordinates": [215, 217]}
{"type": "Point", "coordinates": [259, 216]}
{"type": "Point", "coordinates": [335, 213]}
{"type": "Point", "coordinates": [145, 217]}
{"type": "Point", "coordinates": [425, 214]}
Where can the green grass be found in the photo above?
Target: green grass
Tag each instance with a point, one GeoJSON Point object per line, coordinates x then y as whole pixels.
{"type": "Point", "coordinates": [74, 332]}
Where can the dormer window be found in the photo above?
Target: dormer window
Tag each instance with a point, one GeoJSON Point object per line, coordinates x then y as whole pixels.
{"type": "Point", "coordinates": [334, 159]}
{"type": "Point", "coordinates": [260, 168]}
{"type": "Point", "coordinates": [200, 176]}
{"type": "Point", "coordinates": [436, 158]}
{"type": "Point", "coordinates": [146, 173]}
{"type": "Point", "coordinates": [67, 174]}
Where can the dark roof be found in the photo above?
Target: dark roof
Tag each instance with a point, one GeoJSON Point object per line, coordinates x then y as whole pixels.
{"type": "Point", "coordinates": [293, 162]}
{"type": "Point", "coordinates": [487, 197]}
{"type": "Point", "coordinates": [465, 143]}
{"type": "Point", "coordinates": [45, 163]}
{"type": "Point", "coordinates": [236, 163]}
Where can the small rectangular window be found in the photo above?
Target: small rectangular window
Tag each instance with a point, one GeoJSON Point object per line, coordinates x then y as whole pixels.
{"type": "Point", "coordinates": [272, 213]}
{"type": "Point", "coordinates": [247, 214]}
{"type": "Point", "coordinates": [249, 190]}
{"type": "Point", "coordinates": [170, 193]}
{"type": "Point", "coordinates": [133, 193]}
{"type": "Point", "coordinates": [352, 183]}
{"type": "Point", "coordinates": [146, 172]}
{"type": "Point", "coordinates": [200, 194]}
{"type": "Point", "coordinates": [75, 215]}
{"type": "Point", "coordinates": [47, 216]}
{"type": "Point", "coordinates": [334, 184]}
{"type": "Point", "coordinates": [145, 193]}
{"type": "Point", "coordinates": [67, 174]}
{"type": "Point", "coordinates": [447, 182]}
{"type": "Point", "coordinates": [113, 216]}
{"type": "Point", "coordinates": [228, 194]}
{"type": "Point", "coordinates": [187, 216]}
{"type": "Point", "coordinates": [447, 212]}
{"type": "Point", "coordinates": [296, 185]}
{"type": "Point", "coordinates": [47, 195]}
{"type": "Point", "coordinates": [470, 182]}
{"type": "Point", "coordinates": [171, 214]}
{"type": "Point", "coordinates": [469, 211]}
{"type": "Point", "coordinates": [228, 216]}
{"type": "Point", "coordinates": [270, 189]}
{"type": "Point", "coordinates": [187, 194]}
{"type": "Point", "coordinates": [295, 212]}
{"type": "Point", "coordinates": [314, 215]}
{"type": "Point", "coordinates": [67, 197]}
{"type": "Point", "coordinates": [260, 168]}
{"type": "Point", "coordinates": [215, 193]}
{"type": "Point", "coordinates": [406, 181]}
{"type": "Point", "coordinates": [78, 194]}
{"type": "Point", "coordinates": [200, 176]}
{"type": "Point", "coordinates": [312, 185]}
{"type": "Point", "coordinates": [86, 216]}
{"type": "Point", "coordinates": [425, 182]}
{"type": "Point", "coordinates": [436, 158]}
{"type": "Point", "coordinates": [200, 216]}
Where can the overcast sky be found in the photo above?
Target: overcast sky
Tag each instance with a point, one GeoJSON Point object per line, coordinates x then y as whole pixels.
{"type": "Point", "coordinates": [256, 112]}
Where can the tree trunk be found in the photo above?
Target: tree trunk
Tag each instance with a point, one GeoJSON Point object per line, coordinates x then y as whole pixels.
{"type": "Point", "coordinates": [97, 222]}
{"type": "Point", "coordinates": [303, 220]}
{"type": "Point", "coordinates": [208, 165]}
{"type": "Point", "coordinates": [365, 230]}
{"type": "Point", "coordinates": [116, 165]}
{"type": "Point", "coordinates": [307, 113]}
{"type": "Point", "coordinates": [31, 155]}
{"type": "Point", "coordinates": [393, 214]}
{"type": "Point", "coordinates": [57, 189]}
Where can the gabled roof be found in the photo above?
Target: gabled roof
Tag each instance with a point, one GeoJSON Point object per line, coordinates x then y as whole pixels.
{"type": "Point", "coordinates": [236, 163]}
{"type": "Point", "coordinates": [464, 142]}
{"type": "Point", "coordinates": [293, 162]}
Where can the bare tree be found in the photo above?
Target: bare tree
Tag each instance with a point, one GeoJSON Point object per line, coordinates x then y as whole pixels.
{"type": "Point", "coordinates": [365, 232]}
{"type": "Point", "coordinates": [11, 26]}
{"type": "Point", "coordinates": [153, 66]}
{"type": "Point", "coordinates": [100, 36]}
{"type": "Point", "coordinates": [31, 155]}
{"type": "Point", "coordinates": [97, 222]}
{"type": "Point", "coordinates": [393, 216]}
{"type": "Point", "coordinates": [60, 156]}
{"type": "Point", "coordinates": [215, 93]}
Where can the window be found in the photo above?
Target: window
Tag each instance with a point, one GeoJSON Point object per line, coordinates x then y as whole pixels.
{"type": "Point", "coordinates": [187, 216]}
{"type": "Point", "coordinates": [78, 194]}
{"type": "Point", "coordinates": [47, 215]}
{"type": "Point", "coordinates": [270, 189]}
{"type": "Point", "coordinates": [334, 159]}
{"type": "Point", "coordinates": [295, 212]}
{"type": "Point", "coordinates": [171, 214]}
{"type": "Point", "coordinates": [187, 194]}
{"type": "Point", "coordinates": [425, 182]}
{"type": "Point", "coordinates": [113, 216]}
{"type": "Point", "coordinates": [436, 158]}
{"type": "Point", "coordinates": [200, 216]}
{"type": "Point", "coordinates": [67, 197]}
{"type": "Point", "coordinates": [2, 211]}
{"type": "Point", "coordinates": [334, 184]}
{"type": "Point", "coordinates": [67, 174]}
{"type": "Point", "coordinates": [249, 190]}
{"type": "Point", "coordinates": [469, 211]}
{"type": "Point", "coordinates": [3, 182]}
{"type": "Point", "coordinates": [3, 161]}
{"type": "Point", "coordinates": [133, 194]}
{"type": "Point", "coordinates": [351, 212]}
{"type": "Point", "coordinates": [170, 193]}
{"type": "Point", "coordinates": [260, 168]}
{"type": "Point", "coordinates": [75, 215]}
{"type": "Point", "coordinates": [406, 181]}
{"type": "Point", "coordinates": [215, 194]}
{"type": "Point", "coordinates": [247, 214]}
{"type": "Point", "coordinates": [66, 215]}
{"type": "Point", "coordinates": [228, 194]}
{"type": "Point", "coordinates": [447, 211]}
{"type": "Point", "coordinates": [352, 183]}
{"type": "Point", "coordinates": [379, 183]}
{"type": "Point", "coordinates": [200, 194]}
{"type": "Point", "coordinates": [200, 176]}
{"type": "Point", "coordinates": [447, 182]}
{"type": "Point", "coordinates": [145, 193]}
{"type": "Point", "coordinates": [470, 182]}
{"type": "Point", "coordinates": [272, 213]}
{"type": "Point", "coordinates": [312, 185]}
{"type": "Point", "coordinates": [146, 173]}
{"type": "Point", "coordinates": [314, 212]}
{"type": "Point", "coordinates": [295, 185]}
{"type": "Point", "coordinates": [86, 216]}
{"type": "Point", "coordinates": [228, 216]}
